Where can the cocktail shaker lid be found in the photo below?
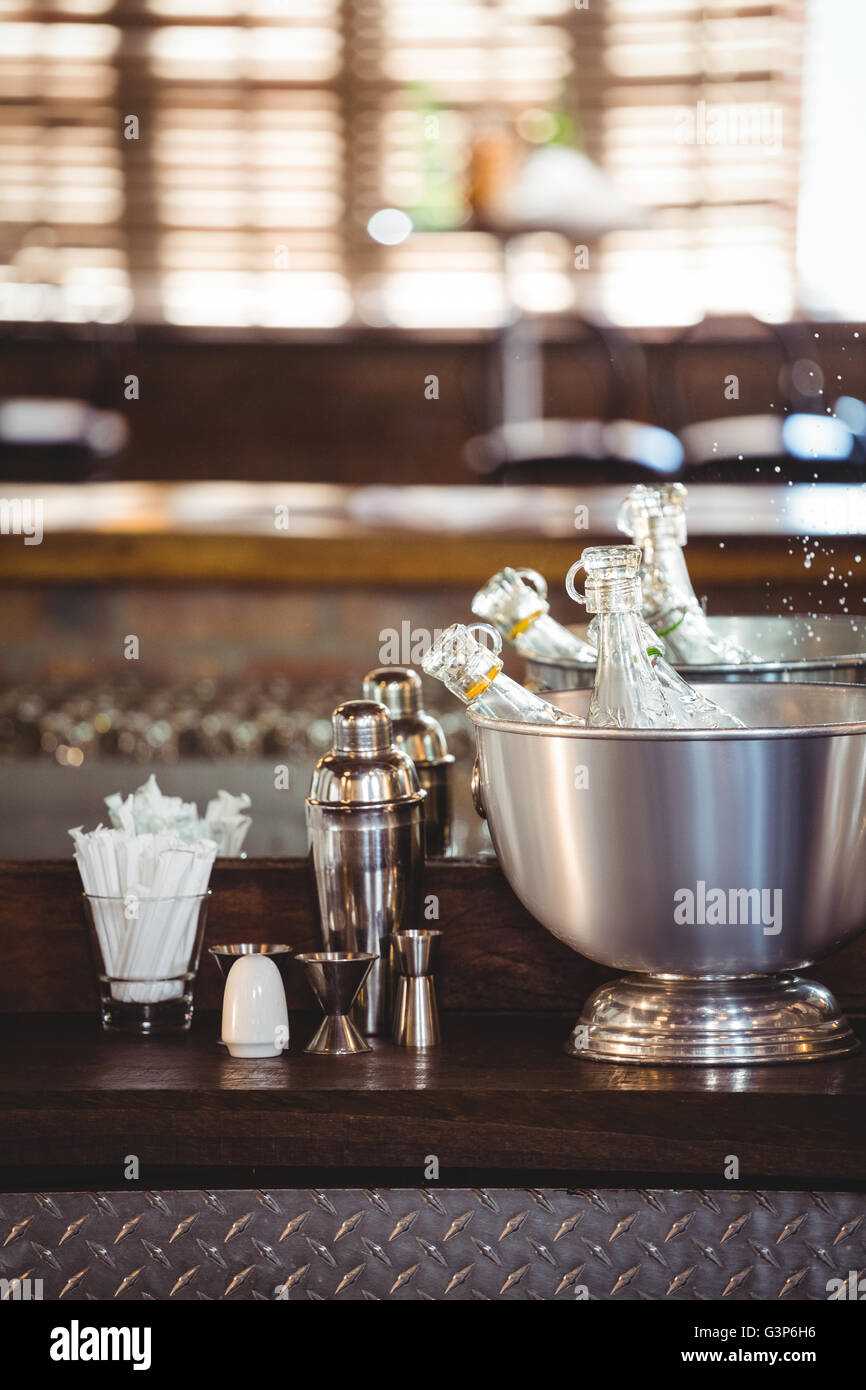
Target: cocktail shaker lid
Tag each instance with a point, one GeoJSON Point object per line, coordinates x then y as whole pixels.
{"type": "Point", "coordinates": [363, 766]}
{"type": "Point", "coordinates": [415, 732]}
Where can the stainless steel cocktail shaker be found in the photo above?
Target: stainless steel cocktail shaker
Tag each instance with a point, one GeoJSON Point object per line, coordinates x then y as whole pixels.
{"type": "Point", "coordinates": [421, 736]}
{"type": "Point", "coordinates": [365, 820]}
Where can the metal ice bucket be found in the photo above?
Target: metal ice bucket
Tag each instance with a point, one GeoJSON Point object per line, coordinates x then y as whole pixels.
{"type": "Point", "coordinates": [615, 841]}
{"type": "Point", "coordinates": [791, 649]}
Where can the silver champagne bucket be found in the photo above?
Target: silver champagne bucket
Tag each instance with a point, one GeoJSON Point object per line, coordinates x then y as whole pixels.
{"type": "Point", "coordinates": [825, 649]}
{"type": "Point", "coordinates": [713, 864]}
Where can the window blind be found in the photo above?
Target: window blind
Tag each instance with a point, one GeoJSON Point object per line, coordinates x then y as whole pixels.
{"type": "Point", "coordinates": [701, 120]}
{"type": "Point", "coordinates": [211, 162]}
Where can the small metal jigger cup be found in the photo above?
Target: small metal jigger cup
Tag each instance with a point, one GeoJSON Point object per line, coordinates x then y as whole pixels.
{"type": "Point", "coordinates": [416, 1016]}
{"type": "Point", "coordinates": [335, 978]}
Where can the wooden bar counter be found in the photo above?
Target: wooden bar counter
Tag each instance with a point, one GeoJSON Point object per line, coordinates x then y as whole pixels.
{"type": "Point", "coordinates": [493, 1167]}
{"type": "Point", "coordinates": [498, 1095]}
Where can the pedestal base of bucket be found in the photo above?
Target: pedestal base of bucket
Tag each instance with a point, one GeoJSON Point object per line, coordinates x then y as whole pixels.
{"type": "Point", "coordinates": [656, 1020]}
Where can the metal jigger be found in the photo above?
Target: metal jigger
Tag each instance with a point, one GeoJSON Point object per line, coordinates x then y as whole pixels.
{"type": "Point", "coordinates": [416, 1016]}
{"type": "Point", "coordinates": [335, 978]}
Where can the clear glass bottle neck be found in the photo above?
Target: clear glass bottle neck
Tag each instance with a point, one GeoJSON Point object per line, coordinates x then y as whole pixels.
{"type": "Point", "coordinates": [475, 678]}
{"type": "Point", "coordinates": [664, 564]}
{"type": "Point", "coordinates": [622, 634]}
{"type": "Point", "coordinates": [464, 665]}
{"type": "Point", "coordinates": [613, 595]}
{"type": "Point", "coordinates": [505, 699]}
{"type": "Point", "coordinates": [626, 691]}
{"type": "Point", "coordinates": [512, 600]}
{"type": "Point", "coordinates": [544, 636]}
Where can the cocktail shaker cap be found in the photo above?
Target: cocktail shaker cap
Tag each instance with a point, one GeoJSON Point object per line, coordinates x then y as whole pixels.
{"type": "Point", "coordinates": [415, 732]}
{"type": "Point", "coordinates": [398, 688]}
{"type": "Point", "coordinates": [363, 766]}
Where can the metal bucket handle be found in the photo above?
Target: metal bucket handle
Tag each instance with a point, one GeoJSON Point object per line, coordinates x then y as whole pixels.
{"type": "Point", "coordinates": [475, 784]}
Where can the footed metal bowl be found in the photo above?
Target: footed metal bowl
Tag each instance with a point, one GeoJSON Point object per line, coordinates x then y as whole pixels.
{"type": "Point", "coordinates": [796, 648]}
{"type": "Point", "coordinates": [713, 863]}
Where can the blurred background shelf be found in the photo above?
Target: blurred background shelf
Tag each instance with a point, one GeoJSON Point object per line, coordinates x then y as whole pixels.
{"type": "Point", "coordinates": [310, 535]}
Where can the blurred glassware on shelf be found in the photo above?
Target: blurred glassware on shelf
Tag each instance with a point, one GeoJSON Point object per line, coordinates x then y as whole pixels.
{"type": "Point", "coordinates": [127, 719]}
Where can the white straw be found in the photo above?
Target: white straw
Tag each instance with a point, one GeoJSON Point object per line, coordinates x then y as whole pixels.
{"type": "Point", "coordinates": [144, 895]}
{"type": "Point", "coordinates": [144, 877]}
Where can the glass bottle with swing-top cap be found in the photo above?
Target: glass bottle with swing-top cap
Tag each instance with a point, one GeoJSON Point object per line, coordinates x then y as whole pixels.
{"type": "Point", "coordinates": [473, 672]}
{"type": "Point", "coordinates": [654, 518]}
{"type": "Point", "coordinates": [515, 602]}
{"type": "Point", "coordinates": [634, 686]}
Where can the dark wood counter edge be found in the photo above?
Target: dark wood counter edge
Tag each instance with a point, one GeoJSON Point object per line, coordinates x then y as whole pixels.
{"type": "Point", "coordinates": [500, 1094]}
{"type": "Point", "coordinates": [495, 956]}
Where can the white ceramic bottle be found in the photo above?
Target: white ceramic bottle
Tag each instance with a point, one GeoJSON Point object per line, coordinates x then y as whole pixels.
{"type": "Point", "coordinates": [255, 1018]}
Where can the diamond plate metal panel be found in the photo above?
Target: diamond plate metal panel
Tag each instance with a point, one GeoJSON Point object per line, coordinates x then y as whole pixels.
{"type": "Point", "coordinates": [433, 1243]}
